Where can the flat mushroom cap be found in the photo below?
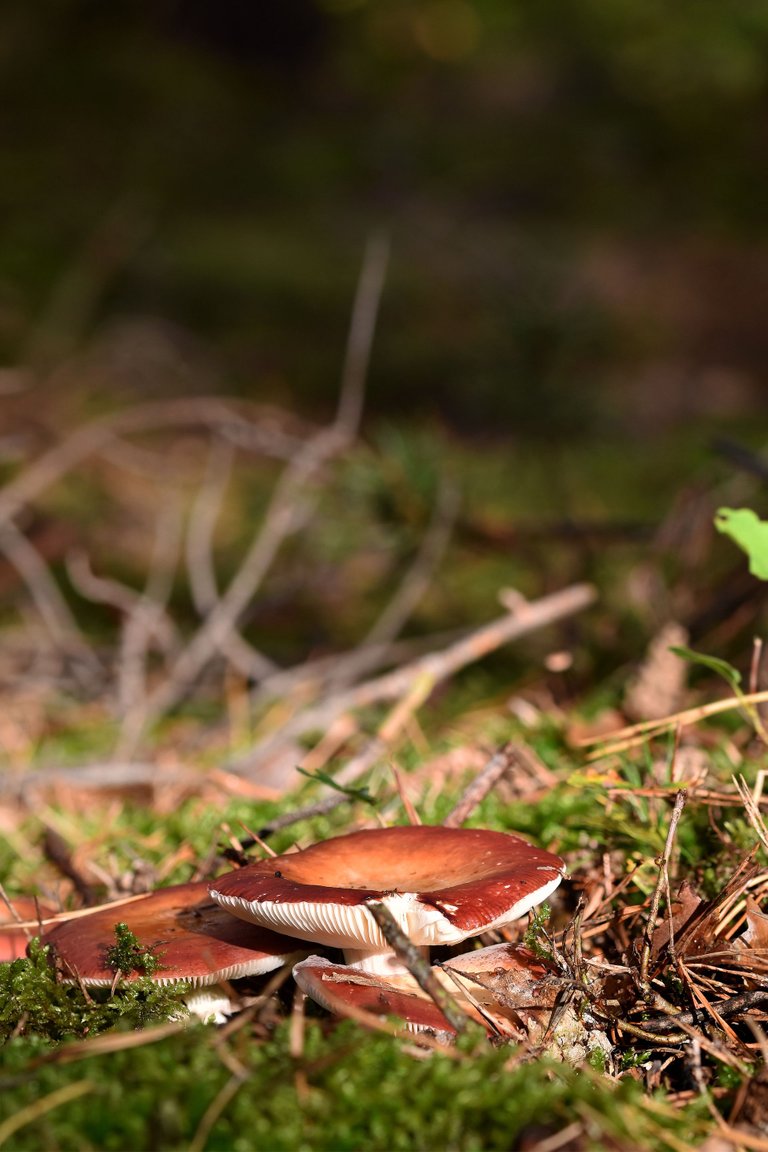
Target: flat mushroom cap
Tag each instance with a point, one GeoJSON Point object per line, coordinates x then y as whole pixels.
{"type": "Point", "coordinates": [339, 986]}
{"type": "Point", "coordinates": [192, 938]}
{"type": "Point", "coordinates": [441, 885]}
{"type": "Point", "coordinates": [498, 959]}
{"type": "Point", "coordinates": [18, 924]}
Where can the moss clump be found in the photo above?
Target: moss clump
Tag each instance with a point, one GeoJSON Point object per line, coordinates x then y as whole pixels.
{"type": "Point", "coordinates": [127, 955]}
{"type": "Point", "coordinates": [34, 1002]}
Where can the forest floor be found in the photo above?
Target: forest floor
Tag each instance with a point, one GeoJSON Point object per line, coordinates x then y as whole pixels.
{"type": "Point", "coordinates": [311, 633]}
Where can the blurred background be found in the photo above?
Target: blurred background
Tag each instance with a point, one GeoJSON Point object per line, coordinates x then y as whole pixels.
{"type": "Point", "coordinates": [573, 320]}
{"type": "Point", "coordinates": [574, 191]}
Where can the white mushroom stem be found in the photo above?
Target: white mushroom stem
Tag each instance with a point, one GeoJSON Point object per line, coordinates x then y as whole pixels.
{"type": "Point", "coordinates": [382, 962]}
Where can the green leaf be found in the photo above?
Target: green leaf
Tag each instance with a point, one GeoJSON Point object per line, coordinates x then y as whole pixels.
{"type": "Point", "coordinates": [722, 667]}
{"type": "Point", "coordinates": [353, 793]}
{"type": "Point", "coordinates": [747, 530]}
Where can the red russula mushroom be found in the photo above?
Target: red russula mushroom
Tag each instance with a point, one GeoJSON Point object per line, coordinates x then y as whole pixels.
{"type": "Point", "coordinates": [19, 921]}
{"type": "Point", "coordinates": [508, 981]}
{"type": "Point", "coordinates": [515, 963]}
{"type": "Point", "coordinates": [191, 937]}
{"type": "Point", "coordinates": [339, 986]}
{"type": "Point", "coordinates": [441, 885]}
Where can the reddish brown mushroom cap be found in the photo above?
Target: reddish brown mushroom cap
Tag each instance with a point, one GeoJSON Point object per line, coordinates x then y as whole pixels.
{"type": "Point", "coordinates": [18, 924]}
{"type": "Point", "coordinates": [338, 986]}
{"type": "Point", "coordinates": [509, 980]}
{"type": "Point", "coordinates": [192, 938]}
{"type": "Point", "coordinates": [441, 885]}
{"type": "Point", "coordinates": [503, 959]}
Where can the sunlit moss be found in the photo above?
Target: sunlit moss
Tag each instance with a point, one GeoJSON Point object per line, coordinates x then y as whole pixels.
{"type": "Point", "coordinates": [35, 1002]}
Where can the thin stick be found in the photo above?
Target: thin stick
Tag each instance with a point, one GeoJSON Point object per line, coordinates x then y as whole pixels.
{"type": "Point", "coordinates": [433, 668]}
{"type": "Point", "coordinates": [51, 605]}
{"type": "Point", "coordinates": [645, 957]}
{"type": "Point", "coordinates": [754, 814]}
{"type": "Point", "coordinates": [405, 800]}
{"type": "Point", "coordinates": [388, 732]}
{"type": "Point", "coordinates": [636, 733]}
{"type": "Point", "coordinates": [413, 586]}
{"type": "Point", "coordinates": [199, 558]}
{"type": "Point", "coordinates": [362, 327]}
{"type": "Point", "coordinates": [284, 517]}
{"type": "Point", "coordinates": [416, 964]}
{"type": "Point", "coordinates": [320, 808]}
{"type": "Point", "coordinates": [498, 765]}
{"type": "Point", "coordinates": [92, 438]}
{"type": "Point", "coordinates": [304, 678]}
{"type": "Point", "coordinates": [107, 590]}
{"type": "Point", "coordinates": [141, 624]}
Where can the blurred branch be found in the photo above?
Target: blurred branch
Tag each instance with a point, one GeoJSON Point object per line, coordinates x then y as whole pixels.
{"type": "Point", "coordinates": [412, 588]}
{"type": "Point", "coordinates": [429, 670]}
{"type": "Point", "coordinates": [378, 646]}
{"type": "Point", "coordinates": [291, 505]}
{"type": "Point", "coordinates": [142, 623]}
{"type": "Point", "coordinates": [199, 559]}
{"type": "Point", "coordinates": [92, 438]}
{"type": "Point", "coordinates": [115, 594]}
{"type": "Point", "coordinates": [362, 327]}
{"type": "Point", "coordinates": [53, 608]}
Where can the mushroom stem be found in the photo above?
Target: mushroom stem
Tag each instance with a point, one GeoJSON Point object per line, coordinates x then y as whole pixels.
{"type": "Point", "coordinates": [381, 962]}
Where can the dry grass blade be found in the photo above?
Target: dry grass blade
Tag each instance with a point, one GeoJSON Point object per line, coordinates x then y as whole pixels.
{"type": "Point", "coordinates": [410, 681]}
{"type": "Point", "coordinates": [635, 734]}
{"type": "Point", "coordinates": [753, 812]}
{"type": "Point", "coordinates": [215, 1109]}
{"type": "Point", "coordinates": [108, 1042]}
{"type": "Point", "coordinates": [662, 887]}
{"type": "Point", "coordinates": [41, 1107]}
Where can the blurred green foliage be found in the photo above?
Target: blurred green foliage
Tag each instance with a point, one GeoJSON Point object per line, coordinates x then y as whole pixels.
{"type": "Point", "coordinates": [322, 1099]}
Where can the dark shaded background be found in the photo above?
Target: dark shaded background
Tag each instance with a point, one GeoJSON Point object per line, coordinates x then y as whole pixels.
{"type": "Point", "coordinates": [575, 192]}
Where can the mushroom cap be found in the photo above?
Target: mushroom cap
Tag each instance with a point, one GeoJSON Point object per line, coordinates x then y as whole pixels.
{"type": "Point", "coordinates": [441, 885]}
{"type": "Point", "coordinates": [18, 924]}
{"type": "Point", "coordinates": [337, 986]}
{"type": "Point", "coordinates": [498, 959]}
{"type": "Point", "coordinates": [509, 979]}
{"type": "Point", "coordinates": [192, 938]}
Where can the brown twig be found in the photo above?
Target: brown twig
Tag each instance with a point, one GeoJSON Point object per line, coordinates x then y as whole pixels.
{"type": "Point", "coordinates": [432, 669]}
{"type": "Point", "coordinates": [199, 559]}
{"type": "Point", "coordinates": [410, 591]}
{"type": "Point", "coordinates": [419, 968]}
{"type": "Point", "coordinates": [662, 879]}
{"type": "Point", "coordinates": [284, 515]}
{"type": "Point", "coordinates": [487, 779]}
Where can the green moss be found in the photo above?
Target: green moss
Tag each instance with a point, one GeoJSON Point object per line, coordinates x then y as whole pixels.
{"type": "Point", "coordinates": [128, 956]}
{"type": "Point", "coordinates": [481, 1100]}
{"type": "Point", "coordinates": [34, 1002]}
